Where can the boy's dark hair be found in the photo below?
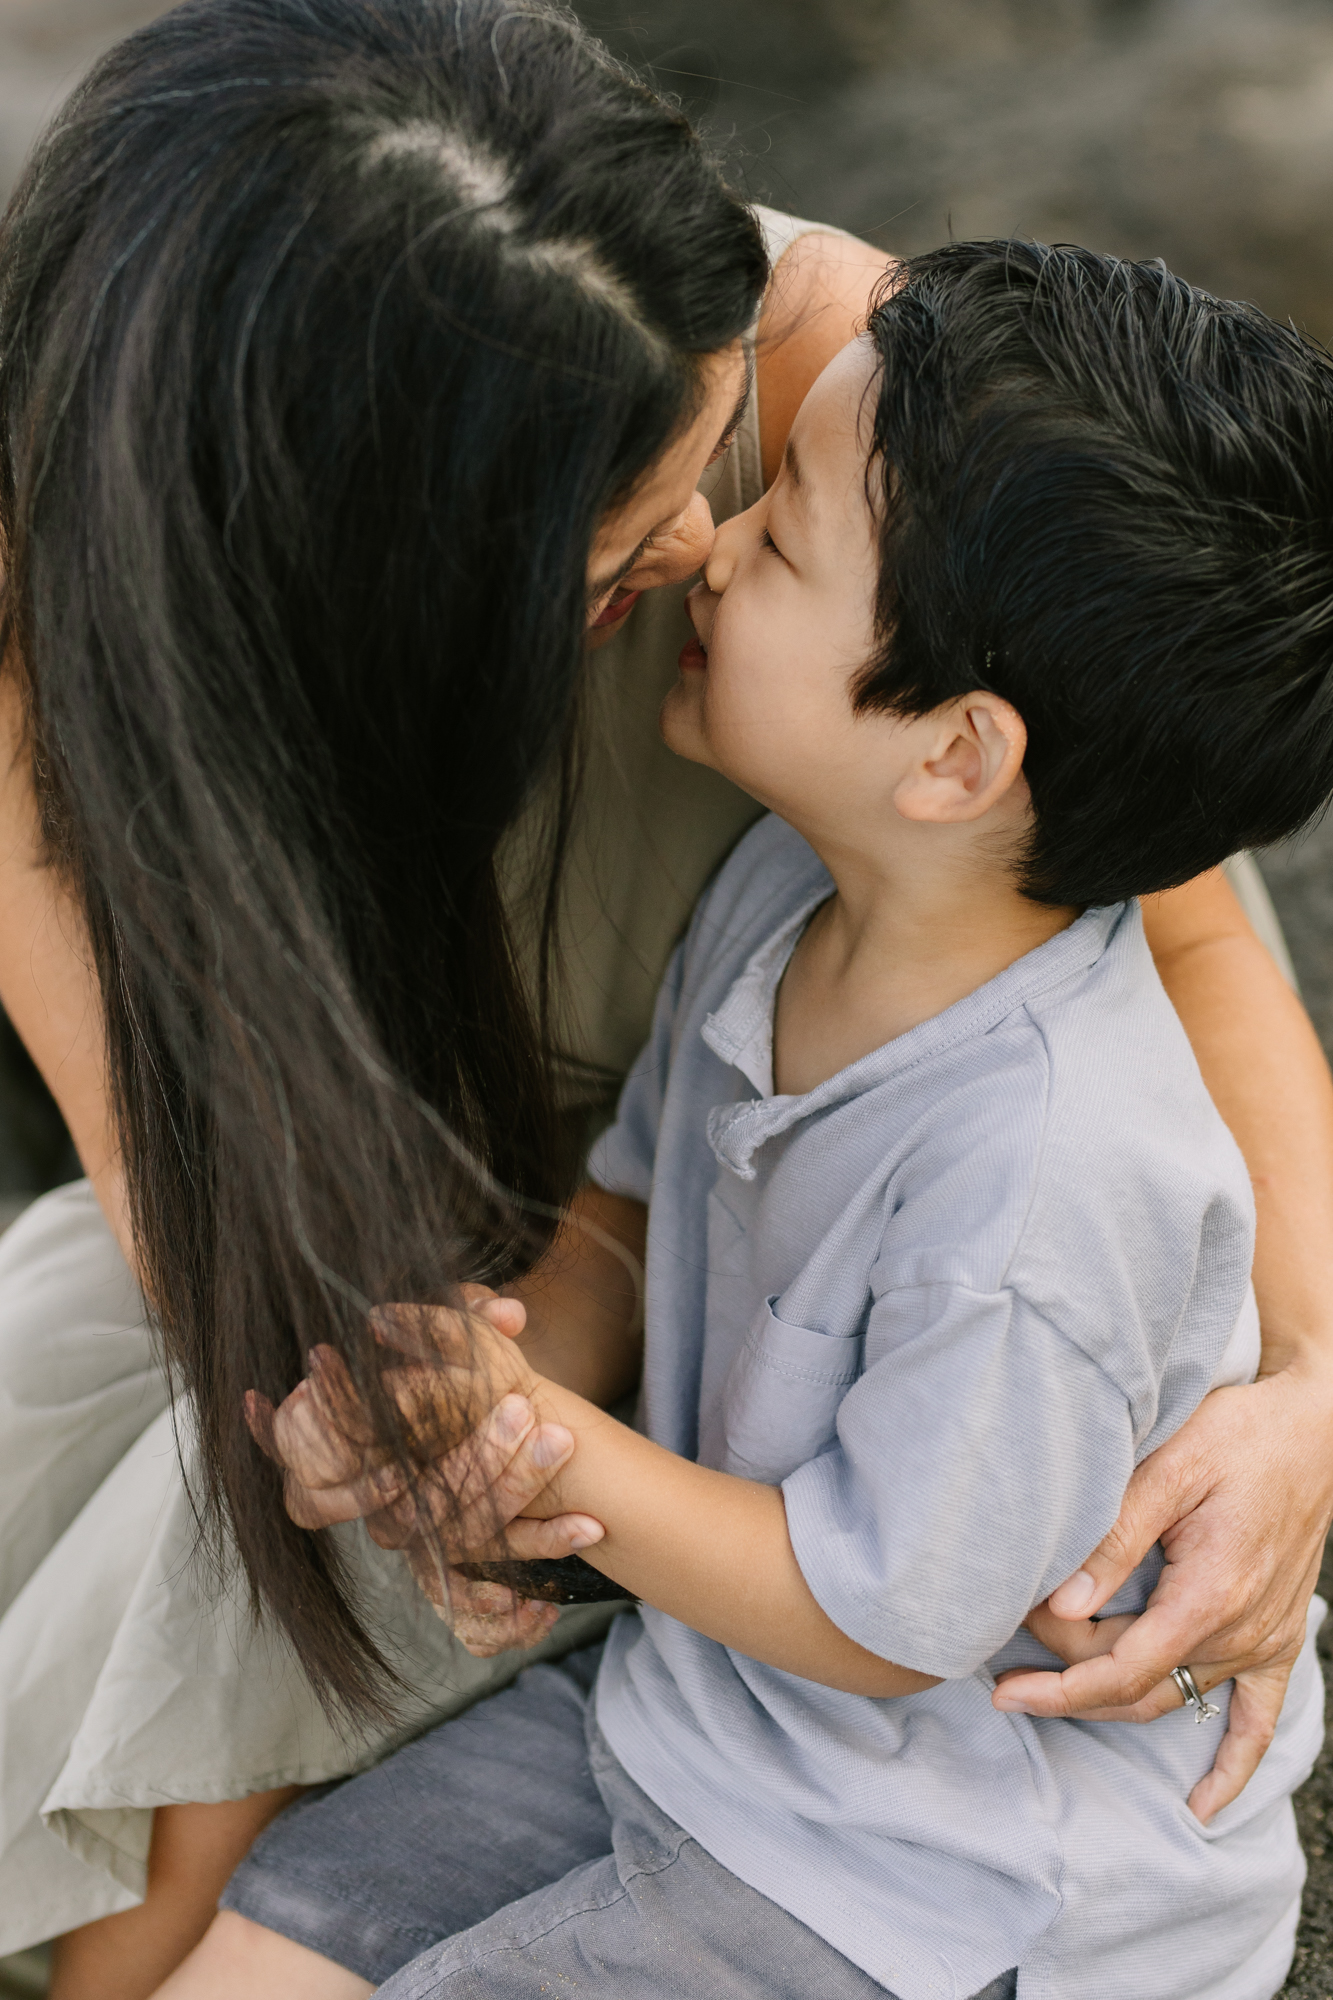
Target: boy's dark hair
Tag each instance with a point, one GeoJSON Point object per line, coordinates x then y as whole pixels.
{"type": "Point", "coordinates": [1108, 498]}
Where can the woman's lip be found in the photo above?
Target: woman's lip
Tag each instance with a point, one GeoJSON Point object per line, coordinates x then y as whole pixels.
{"type": "Point", "coordinates": [693, 656]}
{"type": "Point", "coordinates": [618, 608]}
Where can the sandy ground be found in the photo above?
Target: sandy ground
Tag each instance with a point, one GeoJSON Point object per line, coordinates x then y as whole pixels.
{"type": "Point", "coordinates": [1197, 130]}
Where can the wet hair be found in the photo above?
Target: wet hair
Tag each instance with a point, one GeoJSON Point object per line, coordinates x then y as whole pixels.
{"type": "Point", "coordinates": [329, 332]}
{"type": "Point", "coordinates": [1108, 497]}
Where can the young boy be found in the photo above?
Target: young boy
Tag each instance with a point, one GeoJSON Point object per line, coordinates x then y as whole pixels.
{"type": "Point", "coordinates": [943, 1231]}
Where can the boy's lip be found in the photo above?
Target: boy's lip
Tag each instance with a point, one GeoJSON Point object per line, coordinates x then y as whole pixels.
{"type": "Point", "coordinates": [693, 657]}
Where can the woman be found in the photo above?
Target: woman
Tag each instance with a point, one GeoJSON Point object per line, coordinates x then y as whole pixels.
{"type": "Point", "coordinates": [522, 308]}
{"type": "Point", "coordinates": [578, 366]}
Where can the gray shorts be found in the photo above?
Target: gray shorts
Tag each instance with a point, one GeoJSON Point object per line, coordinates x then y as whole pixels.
{"type": "Point", "coordinates": [508, 1853]}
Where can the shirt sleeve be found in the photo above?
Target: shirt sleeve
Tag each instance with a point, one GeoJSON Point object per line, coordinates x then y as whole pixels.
{"type": "Point", "coordinates": [936, 1521]}
{"type": "Point", "coordinates": [621, 1160]}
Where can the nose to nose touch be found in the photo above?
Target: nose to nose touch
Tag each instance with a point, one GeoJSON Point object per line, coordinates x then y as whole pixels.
{"type": "Point", "coordinates": [695, 536]}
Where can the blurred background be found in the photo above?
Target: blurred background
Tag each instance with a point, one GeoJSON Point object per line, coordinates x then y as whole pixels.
{"type": "Point", "coordinates": [1199, 131]}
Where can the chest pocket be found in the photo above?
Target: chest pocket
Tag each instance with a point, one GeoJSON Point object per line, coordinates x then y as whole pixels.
{"type": "Point", "coordinates": [780, 1404]}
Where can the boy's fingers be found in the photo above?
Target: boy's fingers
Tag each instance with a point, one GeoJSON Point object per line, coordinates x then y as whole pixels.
{"type": "Point", "coordinates": [525, 1623]}
{"type": "Point", "coordinates": [436, 1333]}
{"type": "Point", "coordinates": [486, 1618]}
{"type": "Point", "coordinates": [259, 1415]}
{"type": "Point", "coordinates": [337, 1395]}
{"type": "Point", "coordinates": [313, 1450]}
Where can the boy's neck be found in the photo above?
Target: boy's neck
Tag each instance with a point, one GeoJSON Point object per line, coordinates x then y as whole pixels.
{"type": "Point", "coordinates": [906, 934]}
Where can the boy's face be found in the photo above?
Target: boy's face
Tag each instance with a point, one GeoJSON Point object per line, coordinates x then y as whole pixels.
{"type": "Point", "coordinates": [785, 622]}
{"type": "Point", "coordinates": [785, 615]}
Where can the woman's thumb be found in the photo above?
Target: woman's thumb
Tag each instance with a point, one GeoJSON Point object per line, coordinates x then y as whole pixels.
{"type": "Point", "coordinates": [1144, 1513]}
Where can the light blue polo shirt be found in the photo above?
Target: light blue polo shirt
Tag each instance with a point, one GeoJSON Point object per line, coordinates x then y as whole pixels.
{"type": "Point", "coordinates": [947, 1300]}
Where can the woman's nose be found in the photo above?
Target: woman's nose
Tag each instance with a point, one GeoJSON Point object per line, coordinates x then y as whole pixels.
{"type": "Point", "coordinates": [680, 550]}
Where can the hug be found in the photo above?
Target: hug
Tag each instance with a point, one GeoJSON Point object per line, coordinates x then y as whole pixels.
{"type": "Point", "coordinates": [626, 849]}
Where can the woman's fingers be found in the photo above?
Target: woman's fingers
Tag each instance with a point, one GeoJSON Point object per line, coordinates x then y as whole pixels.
{"type": "Point", "coordinates": [1243, 1531]}
{"type": "Point", "coordinates": [487, 1618]}
{"type": "Point", "coordinates": [1074, 1639]}
{"type": "Point", "coordinates": [1256, 1703]}
{"type": "Point", "coordinates": [549, 1541]}
{"type": "Point", "coordinates": [495, 1475]}
{"type": "Point", "coordinates": [1158, 1495]}
{"type": "Point", "coordinates": [1139, 1660]}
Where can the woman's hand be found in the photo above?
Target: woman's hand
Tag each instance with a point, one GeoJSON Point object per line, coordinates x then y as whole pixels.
{"type": "Point", "coordinates": [1241, 1499]}
{"type": "Point", "coordinates": [473, 1495]}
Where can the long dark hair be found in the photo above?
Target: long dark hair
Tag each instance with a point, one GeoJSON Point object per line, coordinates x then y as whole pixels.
{"type": "Point", "coordinates": [329, 331]}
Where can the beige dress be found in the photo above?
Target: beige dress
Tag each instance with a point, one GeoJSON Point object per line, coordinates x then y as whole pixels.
{"type": "Point", "coordinates": [128, 1679]}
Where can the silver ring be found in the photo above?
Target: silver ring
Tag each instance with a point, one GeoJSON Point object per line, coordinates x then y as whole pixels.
{"type": "Point", "coordinates": [1204, 1711]}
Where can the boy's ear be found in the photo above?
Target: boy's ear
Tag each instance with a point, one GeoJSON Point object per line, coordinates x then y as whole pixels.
{"type": "Point", "coordinates": [971, 754]}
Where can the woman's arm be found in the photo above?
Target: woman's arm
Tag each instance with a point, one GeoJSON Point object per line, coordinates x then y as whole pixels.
{"type": "Point", "coordinates": [1241, 1497]}
{"type": "Point", "coordinates": [1268, 1077]}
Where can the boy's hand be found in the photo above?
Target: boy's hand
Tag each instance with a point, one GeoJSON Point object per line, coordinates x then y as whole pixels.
{"type": "Point", "coordinates": [1240, 1499]}
{"type": "Point", "coordinates": [474, 1494]}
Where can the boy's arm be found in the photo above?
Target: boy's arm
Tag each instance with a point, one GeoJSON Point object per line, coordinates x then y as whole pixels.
{"type": "Point", "coordinates": [1242, 1495]}
{"type": "Point", "coordinates": [703, 1546]}
{"type": "Point", "coordinates": [707, 1548]}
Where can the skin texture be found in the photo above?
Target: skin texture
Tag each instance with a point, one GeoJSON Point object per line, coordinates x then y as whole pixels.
{"type": "Point", "coordinates": [194, 1849]}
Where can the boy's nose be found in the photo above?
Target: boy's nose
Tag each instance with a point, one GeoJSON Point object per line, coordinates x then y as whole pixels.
{"type": "Point", "coordinates": [720, 566]}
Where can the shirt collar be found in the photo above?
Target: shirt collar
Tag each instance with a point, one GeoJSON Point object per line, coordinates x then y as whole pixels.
{"type": "Point", "coordinates": [740, 1032]}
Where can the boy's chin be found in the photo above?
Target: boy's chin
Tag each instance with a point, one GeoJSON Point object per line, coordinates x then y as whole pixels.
{"type": "Point", "coordinates": [680, 720]}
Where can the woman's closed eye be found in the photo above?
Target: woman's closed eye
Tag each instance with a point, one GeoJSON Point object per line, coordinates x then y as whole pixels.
{"type": "Point", "coordinates": [723, 445]}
